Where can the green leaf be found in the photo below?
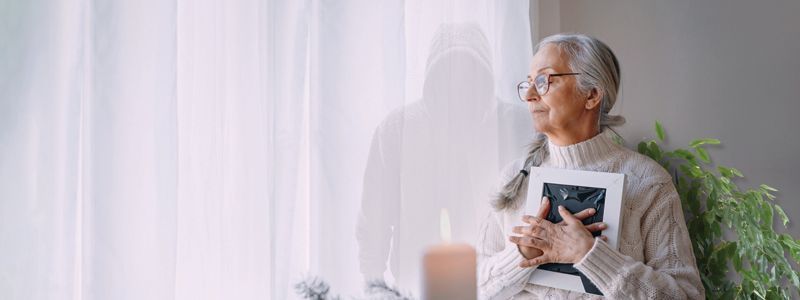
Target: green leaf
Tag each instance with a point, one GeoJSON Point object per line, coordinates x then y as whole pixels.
{"type": "Point", "coordinates": [782, 214]}
{"type": "Point", "coordinates": [725, 181]}
{"type": "Point", "coordinates": [723, 251]}
{"type": "Point", "coordinates": [769, 188]}
{"type": "Point", "coordinates": [692, 170]}
{"type": "Point", "coordinates": [789, 241]}
{"type": "Point", "coordinates": [642, 148]}
{"type": "Point", "coordinates": [737, 261]}
{"type": "Point", "coordinates": [655, 151]}
{"type": "Point", "coordinates": [759, 293]}
{"type": "Point", "coordinates": [766, 214]}
{"type": "Point", "coordinates": [686, 170]}
{"type": "Point", "coordinates": [691, 196]}
{"type": "Point", "coordinates": [709, 218]}
{"type": "Point", "coordinates": [659, 131]}
{"type": "Point", "coordinates": [684, 154]}
{"type": "Point", "coordinates": [703, 154]}
{"type": "Point", "coordinates": [795, 279]}
{"type": "Point", "coordinates": [700, 142]}
{"type": "Point", "coordinates": [729, 172]}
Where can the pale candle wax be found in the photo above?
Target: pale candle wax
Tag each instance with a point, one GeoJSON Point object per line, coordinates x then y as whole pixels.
{"type": "Point", "coordinates": [449, 270]}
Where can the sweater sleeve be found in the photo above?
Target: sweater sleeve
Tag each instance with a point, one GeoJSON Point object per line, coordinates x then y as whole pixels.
{"type": "Point", "coordinates": [499, 273]}
{"type": "Point", "coordinates": [669, 270]}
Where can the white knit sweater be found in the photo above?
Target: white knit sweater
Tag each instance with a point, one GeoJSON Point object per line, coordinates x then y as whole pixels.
{"type": "Point", "coordinates": [654, 259]}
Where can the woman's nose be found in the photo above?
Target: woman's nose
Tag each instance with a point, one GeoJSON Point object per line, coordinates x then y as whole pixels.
{"type": "Point", "coordinates": [531, 95]}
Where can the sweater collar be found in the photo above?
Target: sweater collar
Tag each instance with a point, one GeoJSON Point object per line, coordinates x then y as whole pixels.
{"type": "Point", "coordinates": [581, 155]}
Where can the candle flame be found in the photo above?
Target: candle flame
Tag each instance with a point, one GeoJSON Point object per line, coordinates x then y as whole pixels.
{"type": "Point", "coordinates": [444, 228]}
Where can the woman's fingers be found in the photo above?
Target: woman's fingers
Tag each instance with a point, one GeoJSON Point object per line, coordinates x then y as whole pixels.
{"type": "Point", "coordinates": [533, 230]}
{"type": "Point", "coordinates": [585, 213]}
{"type": "Point", "coordinates": [540, 260]}
{"type": "Point", "coordinates": [599, 226]}
{"type": "Point", "coordinates": [526, 230]}
{"type": "Point", "coordinates": [569, 219]}
{"type": "Point", "coordinates": [544, 208]}
{"type": "Point", "coordinates": [532, 220]}
{"type": "Point", "coordinates": [522, 241]}
{"type": "Point", "coordinates": [563, 243]}
{"type": "Point", "coordinates": [527, 241]}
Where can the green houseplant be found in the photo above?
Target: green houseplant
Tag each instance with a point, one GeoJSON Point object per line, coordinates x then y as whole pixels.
{"type": "Point", "coordinates": [738, 252]}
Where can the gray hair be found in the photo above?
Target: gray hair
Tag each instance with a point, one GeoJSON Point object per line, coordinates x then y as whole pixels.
{"type": "Point", "coordinates": [599, 70]}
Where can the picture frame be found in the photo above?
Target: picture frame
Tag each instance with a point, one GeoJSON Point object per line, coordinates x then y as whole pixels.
{"type": "Point", "coordinates": [576, 190]}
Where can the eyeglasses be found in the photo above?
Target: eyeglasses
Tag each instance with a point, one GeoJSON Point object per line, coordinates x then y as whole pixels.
{"type": "Point", "coordinates": [541, 82]}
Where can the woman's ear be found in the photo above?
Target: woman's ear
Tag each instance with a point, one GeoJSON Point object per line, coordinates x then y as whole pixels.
{"type": "Point", "coordinates": [593, 99]}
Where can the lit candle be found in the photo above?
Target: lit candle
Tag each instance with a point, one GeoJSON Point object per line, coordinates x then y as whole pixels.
{"type": "Point", "coordinates": [449, 270]}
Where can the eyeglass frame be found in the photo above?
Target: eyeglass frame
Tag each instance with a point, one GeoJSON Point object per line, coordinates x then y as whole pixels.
{"type": "Point", "coordinates": [547, 87]}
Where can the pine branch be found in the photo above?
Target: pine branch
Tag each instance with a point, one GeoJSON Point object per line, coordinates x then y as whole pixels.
{"type": "Point", "coordinates": [378, 289]}
{"type": "Point", "coordinates": [314, 288]}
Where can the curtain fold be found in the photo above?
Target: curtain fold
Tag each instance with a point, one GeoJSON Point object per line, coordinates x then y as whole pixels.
{"type": "Point", "coordinates": [227, 149]}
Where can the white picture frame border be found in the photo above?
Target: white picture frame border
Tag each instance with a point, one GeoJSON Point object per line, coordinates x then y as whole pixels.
{"type": "Point", "coordinates": [614, 185]}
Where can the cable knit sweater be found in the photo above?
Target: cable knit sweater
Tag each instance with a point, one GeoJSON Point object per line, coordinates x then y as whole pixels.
{"type": "Point", "coordinates": [654, 259]}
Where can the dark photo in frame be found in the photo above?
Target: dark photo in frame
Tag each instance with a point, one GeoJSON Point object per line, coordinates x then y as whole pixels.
{"type": "Point", "coordinates": [576, 190]}
{"type": "Point", "coordinates": [575, 199]}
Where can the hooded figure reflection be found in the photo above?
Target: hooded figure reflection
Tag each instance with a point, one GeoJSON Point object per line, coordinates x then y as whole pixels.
{"type": "Point", "coordinates": [442, 151]}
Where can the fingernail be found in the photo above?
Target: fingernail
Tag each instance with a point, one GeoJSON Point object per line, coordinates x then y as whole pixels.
{"type": "Point", "coordinates": [560, 207]}
{"type": "Point", "coordinates": [544, 200]}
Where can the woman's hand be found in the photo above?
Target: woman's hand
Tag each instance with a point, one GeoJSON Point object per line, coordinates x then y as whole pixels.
{"type": "Point", "coordinates": [544, 208]}
{"type": "Point", "coordinates": [531, 252]}
{"type": "Point", "coordinates": [565, 242]}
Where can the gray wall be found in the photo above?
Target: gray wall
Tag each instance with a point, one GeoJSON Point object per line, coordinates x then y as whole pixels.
{"type": "Point", "coordinates": [716, 68]}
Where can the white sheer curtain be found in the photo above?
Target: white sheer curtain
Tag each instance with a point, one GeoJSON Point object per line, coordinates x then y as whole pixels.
{"type": "Point", "coordinates": [225, 149]}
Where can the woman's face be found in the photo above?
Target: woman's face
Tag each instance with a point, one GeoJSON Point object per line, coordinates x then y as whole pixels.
{"type": "Point", "coordinates": [563, 108]}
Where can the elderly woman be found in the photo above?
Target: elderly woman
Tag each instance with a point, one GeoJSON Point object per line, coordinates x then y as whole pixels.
{"type": "Point", "coordinates": [572, 86]}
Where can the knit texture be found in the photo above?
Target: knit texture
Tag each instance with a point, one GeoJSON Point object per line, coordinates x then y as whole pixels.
{"type": "Point", "coordinates": [654, 259]}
